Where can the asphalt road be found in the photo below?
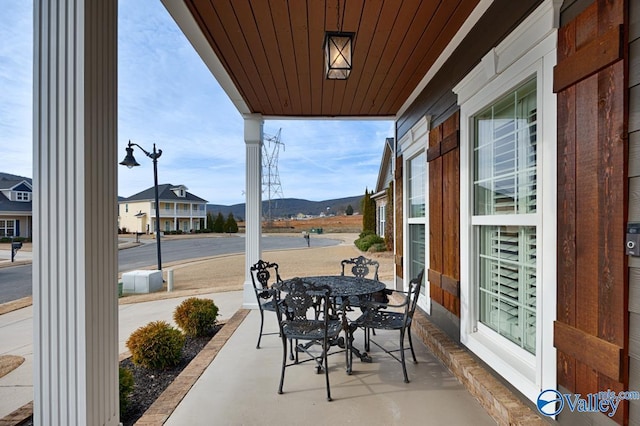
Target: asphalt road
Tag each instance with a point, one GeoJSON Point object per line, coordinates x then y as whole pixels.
{"type": "Point", "coordinates": [15, 281]}
{"type": "Point", "coordinates": [174, 250]}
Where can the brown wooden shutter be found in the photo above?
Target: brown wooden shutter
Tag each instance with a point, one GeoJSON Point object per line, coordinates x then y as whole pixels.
{"type": "Point", "coordinates": [591, 328]}
{"type": "Point", "coordinates": [443, 156]}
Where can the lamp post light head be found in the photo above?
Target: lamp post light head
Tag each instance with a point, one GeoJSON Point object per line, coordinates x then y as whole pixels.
{"type": "Point", "coordinates": [129, 160]}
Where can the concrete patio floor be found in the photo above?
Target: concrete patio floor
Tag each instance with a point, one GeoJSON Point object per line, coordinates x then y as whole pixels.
{"type": "Point", "coordinates": [240, 388]}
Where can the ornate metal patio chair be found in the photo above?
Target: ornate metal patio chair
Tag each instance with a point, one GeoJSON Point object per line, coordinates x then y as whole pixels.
{"type": "Point", "coordinates": [260, 277]}
{"type": "Point", "coordinates": [377, 316]}
{"type": "Point", "coordinates": [360, 267]}
{"type": "Point", "coordinates": [293, 312]}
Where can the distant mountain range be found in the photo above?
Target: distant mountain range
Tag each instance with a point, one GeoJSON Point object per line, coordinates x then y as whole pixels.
{"type": "Point", "coordinates": [8, 176]}
{"type": "Point", "coordinates": [280, 208]}
{"type": "Point", "coordinates": [291, 207]}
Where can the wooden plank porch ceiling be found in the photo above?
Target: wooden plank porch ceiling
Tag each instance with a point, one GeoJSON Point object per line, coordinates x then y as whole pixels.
{"type": "Point", "coordinates": [273, 51]}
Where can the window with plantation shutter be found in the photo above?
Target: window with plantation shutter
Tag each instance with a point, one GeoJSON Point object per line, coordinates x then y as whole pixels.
{"type": "Point", "coordinates": [505, 194]}
{"type": "Point", "coordinates": [509, 164]}
{"type": "Point", "coordinates": [507, 272]}
{"type": "Point", "coordinates": [417, 172]}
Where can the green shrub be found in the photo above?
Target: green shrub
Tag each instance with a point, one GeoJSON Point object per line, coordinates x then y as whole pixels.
{"type": "Point", "coordinates": [365, 242]}
{"type": "Point", "coordinates": [156, 345]}
{"type": "Point", "coordinates": [15, 240]}
{"type": "Point", "coordinates": [366, 233]}
{"type": "Point", "coordinates": [196, 317]}
{"type": "Point", "coordinates": [377, 248]}
{"type": "Point", "coordinates": [126, 387]}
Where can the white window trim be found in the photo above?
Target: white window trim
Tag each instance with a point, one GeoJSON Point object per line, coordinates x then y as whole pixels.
{"type": "Point", "coordinates": [414, 143]}
{"type": "Point", "coordinates": [529, 51]}
{"type": "Point", "coordinates": [23, 196]}
{"type": "Point", "coordinates": [6, 227]}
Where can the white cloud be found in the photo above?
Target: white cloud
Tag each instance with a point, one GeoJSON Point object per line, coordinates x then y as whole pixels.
{"type": "Point", "coordinates": [167, 96]}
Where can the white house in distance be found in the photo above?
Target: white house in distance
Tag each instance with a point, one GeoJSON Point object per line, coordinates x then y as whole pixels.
{"type": "Point", "coordinates": [179, 210]}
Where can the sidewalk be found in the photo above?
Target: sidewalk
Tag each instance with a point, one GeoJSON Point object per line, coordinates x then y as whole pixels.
{"type": "Point", "coordinates": [16, 335]}
{"type": "Point", "coordinates": [22, 257]}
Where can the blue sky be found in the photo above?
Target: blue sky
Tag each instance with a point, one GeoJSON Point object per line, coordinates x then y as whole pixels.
{"type": "Point", "coordinates": [167, 96]}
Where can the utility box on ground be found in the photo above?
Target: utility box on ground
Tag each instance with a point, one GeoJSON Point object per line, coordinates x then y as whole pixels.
{"type": "Point", "coordinates": [138, 282]}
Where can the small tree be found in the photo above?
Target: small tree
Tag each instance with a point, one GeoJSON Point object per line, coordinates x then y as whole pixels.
{"type": "Point", "coordinates": [218, 224]}
{"type": "Point", "coordinates": [349, 210]}
{"type": "Point", "coordinates": [388, 221]}
{"type": "Point", "coordinates": [368, 213]}
{"type": "Point", "coordinates": [231, 226]}
{"type": "Point", "coordinates": [209, 221]}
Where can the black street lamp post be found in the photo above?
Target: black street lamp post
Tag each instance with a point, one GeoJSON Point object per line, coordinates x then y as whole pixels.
{"type": "Point", "coordinates": [130, 162]}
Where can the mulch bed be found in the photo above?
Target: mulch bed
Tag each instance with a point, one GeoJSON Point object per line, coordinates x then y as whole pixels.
{"type": "Point", "coordinates": [149, 384]}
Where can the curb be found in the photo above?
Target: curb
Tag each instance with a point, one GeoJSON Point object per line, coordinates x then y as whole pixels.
{"type": "Point", "coordinates": [8, 263]}
{"type": "Point", "coordinates": [18, 416]}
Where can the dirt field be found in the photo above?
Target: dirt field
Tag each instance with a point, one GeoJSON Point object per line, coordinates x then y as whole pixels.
{"type": "Point", "coordinates": [351, 224]}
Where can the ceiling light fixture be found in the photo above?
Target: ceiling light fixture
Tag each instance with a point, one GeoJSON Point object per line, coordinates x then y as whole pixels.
{"type": "Point", "coordinates": [338, 47]}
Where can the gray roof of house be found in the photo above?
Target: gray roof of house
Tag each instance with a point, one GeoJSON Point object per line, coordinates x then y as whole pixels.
{"type": "Point", "coordinates": [14, 206]}
{"type": "Point", "coordinates": [8, 181]}
{"type": "Point", "coordinates": [164, 194]}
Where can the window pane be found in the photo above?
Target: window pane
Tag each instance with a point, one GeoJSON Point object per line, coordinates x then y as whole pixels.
{"type": "Point", "coordinates": [505, 154]}
{"type": "Point", "coordinates": [381, 220]}
{"type": "Point", "coordinates": [417, 169]}
{"type": "Point", "coordinates": [507, 281]}
{"type": "Point", "coordinates": [417, 246]}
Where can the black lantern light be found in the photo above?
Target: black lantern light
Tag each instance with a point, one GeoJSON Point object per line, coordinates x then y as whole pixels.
{"type": "Point", "coordinates": [338, 51]}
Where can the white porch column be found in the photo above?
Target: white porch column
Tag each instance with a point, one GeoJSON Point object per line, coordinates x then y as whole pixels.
{"type": "Point", "coordinates": [253, 213]}
{"type": "Point", "coordinates": [75, 213]}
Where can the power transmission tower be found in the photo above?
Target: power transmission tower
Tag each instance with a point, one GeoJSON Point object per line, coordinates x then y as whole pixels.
{"type": "Point", "coordinates": [270, 177]}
